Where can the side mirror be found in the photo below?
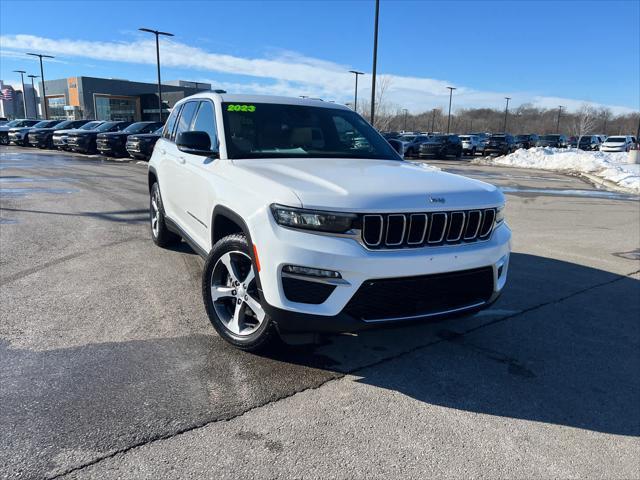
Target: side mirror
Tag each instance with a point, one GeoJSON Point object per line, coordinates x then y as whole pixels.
{"type": "Point", "coordinates": [397, 146]}
{"type": "Point", "coordinates": [195, 143]}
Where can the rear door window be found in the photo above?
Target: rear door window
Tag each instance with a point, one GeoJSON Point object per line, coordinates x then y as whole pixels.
{"type": "Point", "coordinates": [186, 118]}
{"type": "Point", "coordinates": [171, 123]}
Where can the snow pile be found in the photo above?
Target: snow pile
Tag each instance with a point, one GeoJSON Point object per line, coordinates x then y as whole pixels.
{"type": "Point", "coordinates": [611, 167]}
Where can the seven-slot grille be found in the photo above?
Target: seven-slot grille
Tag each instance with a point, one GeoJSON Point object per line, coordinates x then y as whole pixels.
{"type": "Point", "coordinates": [410, 230]}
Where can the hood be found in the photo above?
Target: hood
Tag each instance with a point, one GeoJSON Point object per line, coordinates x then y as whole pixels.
{"type": "Point", "coordinates": [143, 136]}
{"type": "Point", "coordinates": [20, 129]}
{"type": "Point", "coordinates": [80, 133]}
{"type": "Point", "coordinates": [112, 134]}
{"type": "Point", "coordinates": [371, 185]}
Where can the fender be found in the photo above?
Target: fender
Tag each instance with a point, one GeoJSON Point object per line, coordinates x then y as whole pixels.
{"type": "Point", "coordinates": [227, 212]}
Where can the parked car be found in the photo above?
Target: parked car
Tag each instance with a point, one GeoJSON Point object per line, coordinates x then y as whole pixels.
{"type": "Point", "coordinates": [556, 141]}
{"type": "Point", "coordinates": [471, 145]}
{"type": "Point", "coordinates": [589, 142]}
{"type": "Point", "coordinates": [3, 121]}
{"type": "Point", "coordinates": [140, 145]}
{"type": "Point", "coordinates": [441, 146]}
{"type": "Point", "coordinates": [406, 139]}
{"type": "Point", "coordinates": [60, 137]}
{"type": "Point", "coordinates": [84, 141]}
{"type": "Point", "coordinates": [255, 194]}
{"type": "Point", "coordinates": [500, 144]}
{"type": "Point", "coordinates": [412, 148]}
{"type": "Point", "coordinates": [114, 143]}
{"type": "Point", "coordinates": [526, 141]}
{"type": "Point", "coordinates": [21, 122]}
{"type": "Point", "coordinates": [391, 135]}
{"type": "Point", "coordinates": [43, 137]}
{"type": "Point", "coordinates": [618, 143]}
{"type": "Point", "coordinates": [18, 135]}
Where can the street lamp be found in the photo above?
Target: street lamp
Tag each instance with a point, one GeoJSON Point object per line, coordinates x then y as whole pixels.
{"type": "Point", "coordinates": [451, 89]}
{"type": "Point", "coordinates": [157, 33]}
{"type": "Point", "coordinates": [558, 122]}
{"type": "Point", "coordinates": [355, 99]}
{"type": "Point", "coordinates": [375, 61]}
{"type": "Point", "coordinates": [44, 90]}
{"type": "Point", "coordinates": [24, 94]}
{"type": "Point", "coordinates": [405, 118]}
{"type": "Point", "coordinates": [433, 120]}
{"type": "Point", "coordinates": [506, 112]}
{"type": "Point", "coordinates": [33, 90]}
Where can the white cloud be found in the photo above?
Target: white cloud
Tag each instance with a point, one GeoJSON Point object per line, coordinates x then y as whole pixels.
{"type": "Point", "coordinates": [286, 73]}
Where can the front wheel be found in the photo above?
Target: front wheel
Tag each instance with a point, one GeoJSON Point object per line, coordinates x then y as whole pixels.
{"type": "Point", "coordinates": [231, 298]}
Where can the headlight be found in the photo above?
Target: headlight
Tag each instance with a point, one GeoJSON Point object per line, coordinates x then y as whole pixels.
{"type": "Point", "coordinates": [499, 215]}
{"type": "Point", "coordinates": [332, 222]}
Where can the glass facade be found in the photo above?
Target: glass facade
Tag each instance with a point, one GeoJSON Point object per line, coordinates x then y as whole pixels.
{"type": "Point", "coordinates": [55, 108]}
{"type": "Point", "coordinates": [116, 108]}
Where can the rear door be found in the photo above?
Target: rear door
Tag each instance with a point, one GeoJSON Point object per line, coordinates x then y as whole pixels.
{"type": "Point", "coordinates": [174, 170]}
{"type": "Point", "coordinates": [199, 172]}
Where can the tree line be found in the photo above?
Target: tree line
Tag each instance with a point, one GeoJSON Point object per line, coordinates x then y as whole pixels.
{"type": "Point", "coordinates": [525, 119]}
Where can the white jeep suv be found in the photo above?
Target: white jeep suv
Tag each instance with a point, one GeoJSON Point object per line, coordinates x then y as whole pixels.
{"type": "Point", "coordinates": [310, 221]}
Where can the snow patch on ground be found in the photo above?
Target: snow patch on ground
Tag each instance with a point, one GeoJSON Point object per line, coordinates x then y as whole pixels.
{"type": "Point", "coordinates": [611, 167]}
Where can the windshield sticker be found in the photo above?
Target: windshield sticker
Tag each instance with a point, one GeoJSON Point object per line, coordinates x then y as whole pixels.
{"type": "Point", "coordinates": [241, 108]}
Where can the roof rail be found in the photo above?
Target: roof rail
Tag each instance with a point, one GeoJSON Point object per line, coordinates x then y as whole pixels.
{"type": "Point", "coordinates": [220, 91]}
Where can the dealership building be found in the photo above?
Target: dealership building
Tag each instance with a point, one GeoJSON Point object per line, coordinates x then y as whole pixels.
{"type": "Point", "coordinates": [113, 99]}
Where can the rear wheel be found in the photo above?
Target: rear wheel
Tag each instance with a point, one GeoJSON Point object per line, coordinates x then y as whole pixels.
{"type": "Point", "coordinates": [231, 298]}
{"type": "Point", "coordinates": [160, 234]}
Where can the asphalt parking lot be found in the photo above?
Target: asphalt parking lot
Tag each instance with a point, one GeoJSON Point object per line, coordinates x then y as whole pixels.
{"type": "Point", "coordinates": [109, 367]}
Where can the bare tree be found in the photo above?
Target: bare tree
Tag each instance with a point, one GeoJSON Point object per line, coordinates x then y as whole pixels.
{"type": "Point", "coordinates": [584, 121]}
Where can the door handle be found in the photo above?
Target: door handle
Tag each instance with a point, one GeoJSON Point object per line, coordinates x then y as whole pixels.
{"type": "Point", "coordinates": [181, 160]}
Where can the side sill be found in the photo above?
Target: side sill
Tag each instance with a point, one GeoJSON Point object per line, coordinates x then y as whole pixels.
{"type": "Point", "coordinates": [173, 227]}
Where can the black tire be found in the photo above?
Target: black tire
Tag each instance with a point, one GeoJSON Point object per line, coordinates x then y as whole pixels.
{"type": "Point", "coordinates": [459, 154]}
{"type": "Point", "coordinates": [160, 234]}
{"type": "Point", "coordinates": [473, 152]}
{"type": "Point", "coordinates": [260, 335]}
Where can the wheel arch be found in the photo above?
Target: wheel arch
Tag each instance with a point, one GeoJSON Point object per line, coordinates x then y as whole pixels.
{"type": "Point", "coordinates": [225, 221]}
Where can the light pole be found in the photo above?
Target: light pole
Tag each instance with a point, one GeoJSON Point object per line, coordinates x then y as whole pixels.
{"type": "Point", "coordinates": [157, 33]}
{"type": "Point", "coordinates": [44, 90]}
{"type": "Point", "coordinates": [558, 122]}
{"type": "Point", "coordinates": [355, 97]}
{"type": "Point", "coordinates": [33, 90]}
{"type": "Point", "coordinates": [405, 118]}
{"type": "Point", "coordinates": [375, 61]}
{"type": "Point", "coordinates": [451, 89]}
{"type": "Point", "coordinates": [24, 94]}
{"type": "Point", "coordinates": [506, 112]}
{"type": "Point", "coordinates": [433, 120]}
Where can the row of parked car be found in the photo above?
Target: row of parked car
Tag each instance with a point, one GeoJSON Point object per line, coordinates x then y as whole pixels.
{"type": "Point", "coordinates": [111, 138]}
{"type": "Point", "coordinates": [436, 145]}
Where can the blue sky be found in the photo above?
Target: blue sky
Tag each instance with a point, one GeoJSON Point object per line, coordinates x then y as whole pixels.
{"type": "Point", "coordinates": [544, 52]}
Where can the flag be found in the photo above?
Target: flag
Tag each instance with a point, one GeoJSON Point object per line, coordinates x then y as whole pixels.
{"type": "Point", "coordinates": [7, 94]}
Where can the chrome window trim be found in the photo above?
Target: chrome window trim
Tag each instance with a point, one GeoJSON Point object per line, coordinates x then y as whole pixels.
{"type": "Point", "coordinates": [404, 229]}
{"type": "Point", "coordinates": [424, 232]}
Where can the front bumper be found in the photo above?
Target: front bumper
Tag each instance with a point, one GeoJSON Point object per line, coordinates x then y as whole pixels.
{"type": "Point", "coordinates": [38, 141]}
{"type": "Point", "coordinates": [16, 138]}
{"type": "Point", "coordinates": [279, 246]}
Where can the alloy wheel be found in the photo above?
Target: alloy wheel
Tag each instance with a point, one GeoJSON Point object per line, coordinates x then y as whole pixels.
{"type": "Point", "coordinates": [235, 295]}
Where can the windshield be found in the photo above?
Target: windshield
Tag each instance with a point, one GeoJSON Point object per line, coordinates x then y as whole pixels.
{"type": "Point", "coordinates": [465, 138]}
{"type": "Point", "coordinates": [43, 124]}
{"type": "Point", "coordinates": [522, 137]}
{"type": "Point", "coordinates": [586, 139]}
{"type": "Point", "coordinates": [437, 139]}
{"type": "Point", "coordinates": [616, 139]}
{"type": "Point", "coordinates": [498, 138]}
{"type": "Point", "coordinates": [407, 138]}
{"type": "Point", "coordinates": [550, 137]}
{"type": "Point", "coordinates": [140, 127]}
{"type": "Point", "coordinates": [90, 125]}
{"type": "Point", "coordinates": [265, 130]}
{"type": "Point", "coordinates": [65, 124]}
{"type": "Point", "coordinates": [158, 131]}
{"type": "Point", "coordinates": [105, 126]}
{"type": "Point", "coordinates": [13, 123]}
